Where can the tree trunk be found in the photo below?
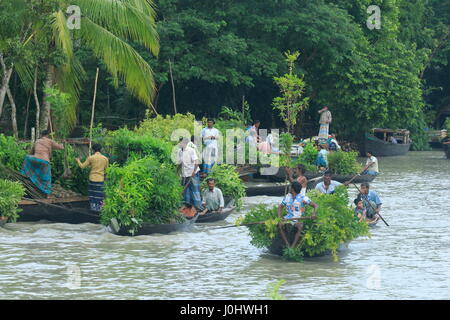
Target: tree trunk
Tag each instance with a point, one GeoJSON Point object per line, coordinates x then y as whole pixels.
{"type": "Point", "coordinates": [50, 80]}
{"type": "Point", "coordinates": [25, 126]}
{"type": "Point", "coordinates": [36, 101]}
{"type": "Point", "coordinates": [13, 112]}
{"type": "Point", "coordinates": [5, 83]}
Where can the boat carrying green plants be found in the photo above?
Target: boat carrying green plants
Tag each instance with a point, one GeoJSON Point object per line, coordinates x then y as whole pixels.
{"type": "Point", "coordinates": [335, 226]}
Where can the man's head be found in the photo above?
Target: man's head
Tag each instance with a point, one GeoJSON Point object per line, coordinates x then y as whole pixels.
{"type": "Point", "coordinates": [211, 183]}
{"type": "Point", "coordinates": [257, 123]}
{"type": "Point", "coordinates": [184, 142]}
{"type": "Point", "coordinates": [296, 188]}
{"type": "Point", "coordinates": [44, 133]}
{"type": "Point", "coordinates": [358, 203]}
{"type": "Point", "coordinates": [325, 108]}
{"type": "Point", "coordinates": [301, 170]}
{"type": "Point", "coordinates": [369, 154]}
{"type": "Point", "coordinates": [327, 177]}
{"type": "Point", "coordinates": [211, 123]}
{"type": "Point", "coordinates": [97, 147]}
{"type": "Point", "coordinates": [365, 188]}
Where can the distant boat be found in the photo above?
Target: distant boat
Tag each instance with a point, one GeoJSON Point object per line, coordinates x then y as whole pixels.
{"type": "Point", "coordinates": [378, 142]}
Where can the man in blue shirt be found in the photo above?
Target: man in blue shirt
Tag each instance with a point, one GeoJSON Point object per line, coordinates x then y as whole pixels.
{"type": "Point", "coordinates": [372, 201]}
{"type": "Point", "coordinates": [295, 204]}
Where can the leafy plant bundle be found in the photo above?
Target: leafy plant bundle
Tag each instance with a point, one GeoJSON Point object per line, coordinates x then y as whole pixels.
{"type": "Point", "coordinates": [309, 155]}
{"type": "Point", "coordinates": [12, 152]}
{"type": "Point", "coordinates": [162, 127]}
{"type": "Point", "coordinates": [336, 224]}
{"type": "Point", "coordinates": [344, 163]}
{"type": "Point", "coordinates": [286, 141]}
{"type": "Point", "coordinates": [143, 190]}
{"type": "Point", "coordinates": [10, 195]}
{"type": "Point", "coordinates": [125, 144]}
{"type": "Point", "coordinates": [79, 178]}
{"type": "Point", "coordinates": [227, 180]}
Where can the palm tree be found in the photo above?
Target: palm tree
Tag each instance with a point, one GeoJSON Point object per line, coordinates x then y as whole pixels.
{"type": "Point", "coordinates": [106, 28]}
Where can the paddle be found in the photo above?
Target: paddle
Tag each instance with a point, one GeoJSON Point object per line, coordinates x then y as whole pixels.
{"type": "Point", "coordinates": [187, 185]}
{"type": "Point", "coordinates": [372, 206]}
{"type": "Point", "coordinates": [260, 222]}
{"type": "Point", "coordinates": [351, 180]}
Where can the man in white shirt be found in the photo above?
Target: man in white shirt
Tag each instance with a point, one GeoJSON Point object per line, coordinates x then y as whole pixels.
{"type": "Point", "coordinates": [188, 160]}
{"type": "Point", "coordinates": [325, 120]}
{"type": "Point", "coordinates": [328, 186]}
{"type": "Point", "coordinates": [210, 135]}
{"type": "Point", "coordinates": [371, 165]}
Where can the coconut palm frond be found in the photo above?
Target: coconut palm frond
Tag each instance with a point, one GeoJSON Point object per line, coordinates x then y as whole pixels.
{"type": "Point", "coordinates": [128, 19]}
{"type": "Point", "coordinates": [120, 58]}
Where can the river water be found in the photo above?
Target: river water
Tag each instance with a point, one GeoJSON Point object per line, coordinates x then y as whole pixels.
{"type": "Point", "coordinates": [410, 259]}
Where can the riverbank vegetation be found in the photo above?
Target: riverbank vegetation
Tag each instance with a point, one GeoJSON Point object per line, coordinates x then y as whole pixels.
{"type": "Point", "coordinates": [335, 225]}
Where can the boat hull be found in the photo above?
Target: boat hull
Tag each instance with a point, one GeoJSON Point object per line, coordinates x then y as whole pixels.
{"type": "Point", "coordinates": [69, 210]}
{"type": "Point", "coordinates": [149, 229]}
{"type": "Point", "coordinates": [382, 148]}
{"type": "Point", "coordinates": [272, 190]}
{"type": "Point", "coordinates": [214, 216]}
{"type": "Point", "coordinates": [337, 177]}
{"type": "Point", "coordinates": [2, 222]}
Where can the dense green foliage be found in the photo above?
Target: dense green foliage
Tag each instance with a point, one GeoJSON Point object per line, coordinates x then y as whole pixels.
{"type": "Point", "coordinates": [227, 180]}
{"type": "Point", "coordinates": [12, 152]}
{"type": "Point", "coordinates": [336, 224]}
{"type": "Point", "coordinates": [10, 195]}
{"type": "Point", "coordinates": [125, 144]}
{"type": "Point", "coordinates": [221, 52]}
{"type": "Point", "coordinates": [344, 162]}
{"type": "Point", "coordinates": [142, 191]}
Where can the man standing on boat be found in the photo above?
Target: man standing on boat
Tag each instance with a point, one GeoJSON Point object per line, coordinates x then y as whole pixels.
{"type": "Point", "coordinates": [98, 164]}
{"type": "Point", "coordinates": [300, 173]}
{"type": "Point", "coordinates": [328, 186]}
{"type": "Point", "coordinates": [212, 198]}
{"type": "Point", "coordinates": [37, 166]}
{"type": "Point", "coordinates": [190, 173]}
{"type": "Point", "coordinates": [371, 165]}
{"type": "Point", "coordinates": [371, 200]}
{"type": "Point", "coordinates": [325, 120]}
{"type": "Point", "coordinates": [210, 135]}
{"type": "Point", "coordinates": [295, 204]}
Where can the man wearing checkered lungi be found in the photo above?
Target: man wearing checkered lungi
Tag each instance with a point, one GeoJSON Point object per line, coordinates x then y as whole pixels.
{"type": "Point", "coordinates": [190, 173]}
{"type": "Point", "coordinates": [325, 120]}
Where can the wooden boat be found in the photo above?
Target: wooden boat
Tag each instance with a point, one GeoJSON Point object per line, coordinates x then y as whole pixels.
{"type": "Point", "coordinates": [447, 150]}
{"type": "Point", "coordinates": [278, 243]}
{"type": "Point", "coordinates": [73, 210]}
{"type": "Point", "coordinates": [337, 177]}
{"type": "Point", "coordinates": [274, 190]}
{"type": "Point", "coordinates": [373, 222]}
{"type": "Point", "coordinates": [217, 216]}
{"type": "Point", "coordinates": [2, 222]}
{"type": "Point", "coordinates": [148, 228]}
{"type": "Point", "coordinates": [378, 143]}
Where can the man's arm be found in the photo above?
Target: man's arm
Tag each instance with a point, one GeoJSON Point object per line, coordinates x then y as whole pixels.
{"type": "Point", "coordinates": [57, 146]}
{"type": "Point", "coordinates": [85, 164]}
{"type": "Point", "coordinates": [316, 207]}
{"type": "Point", "coordinates": [280, 209]}
{"type": "Point", "coordinates": [222, 201]}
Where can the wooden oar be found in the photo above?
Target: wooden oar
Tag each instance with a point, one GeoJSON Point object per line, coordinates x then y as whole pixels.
{"type": "Point", "coordinates": [187, 185]}
{"type": "Point", "coordinates": [351, 180]}
{"type": "Point", "coordinates": [372, 206]}
{"type": "Point", "coordinates": [260, 222]}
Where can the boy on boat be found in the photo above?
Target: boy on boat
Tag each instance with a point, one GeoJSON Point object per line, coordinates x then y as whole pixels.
{"type": "Point", "coordinates": [328, 185]}
{"type": "Point", "coordinates": [371, 165]}
{"type": "Point", "coordinates": [360, 211]}
{"type": "Point", "coordinates": [300, 173]}
{"type": "Point", "coordinates": [295, 205]}
{"type": "Point", "coordinates": [98, 164]}
{"type": "Point", "coordinates": [322, 158]}
{"type": "Point", "coordinates": [212, 198]}
{"type": "Point", "coordinates": [37, 166]}
{"type": "Point", "coordinates": [371, 200]}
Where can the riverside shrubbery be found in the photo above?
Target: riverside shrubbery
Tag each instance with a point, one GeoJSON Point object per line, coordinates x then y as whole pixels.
{"type": "Point", "coordinates": [10, 195]}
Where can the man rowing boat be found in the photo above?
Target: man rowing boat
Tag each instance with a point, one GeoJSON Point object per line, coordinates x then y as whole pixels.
{"type": "Point", "coordinates": [371, 200]}
{"type": "Point", "coordinates": [295, 203]}
{"type": "Point", "coordinates": [328, 185]}
{"type": "Point", "coordinates": [300, 172]}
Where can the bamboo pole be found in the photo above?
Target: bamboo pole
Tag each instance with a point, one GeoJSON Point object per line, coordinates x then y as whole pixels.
{"type": "Point", "coordinates": [173, 88]}
{"type": "Point", "coordinates": [93, 112]}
